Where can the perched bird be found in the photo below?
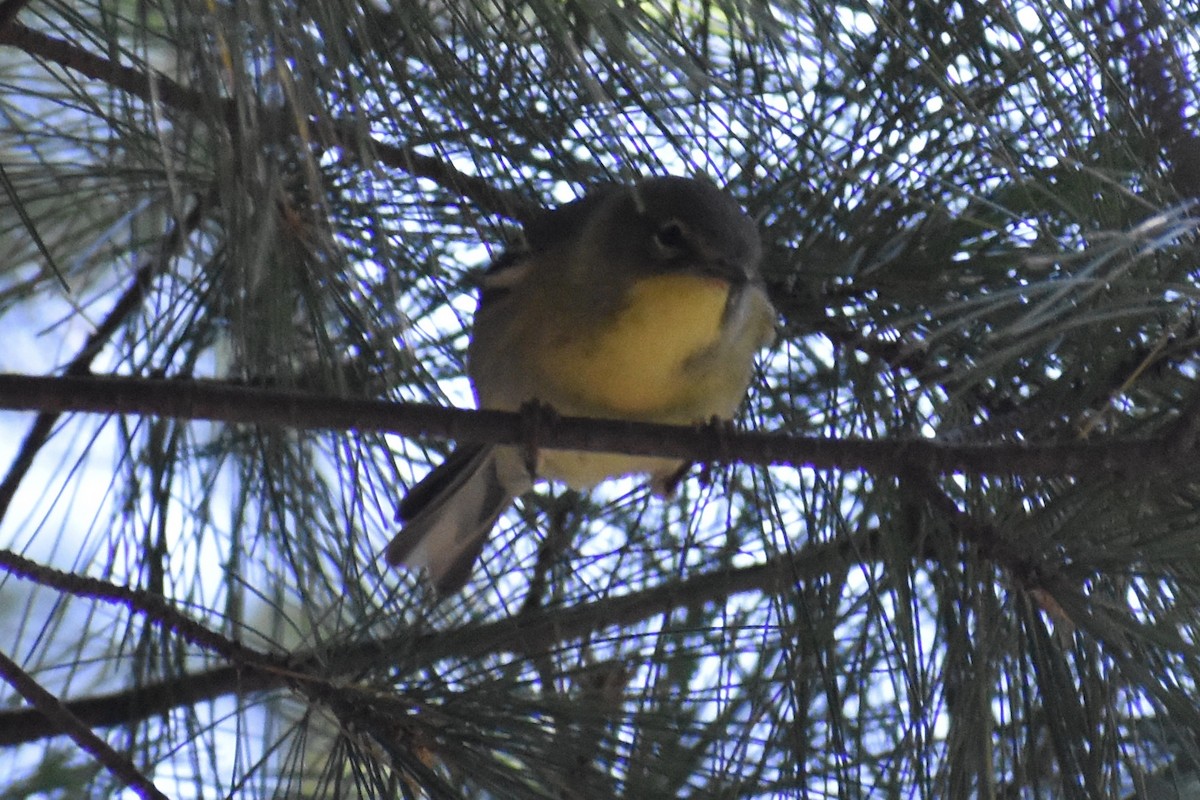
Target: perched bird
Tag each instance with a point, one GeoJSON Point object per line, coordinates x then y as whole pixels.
{"type": "Point", "coordinates": [639, 302]}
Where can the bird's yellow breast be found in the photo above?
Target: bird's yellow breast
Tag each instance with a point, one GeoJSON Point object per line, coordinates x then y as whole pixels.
{"type": "Point", "coordinates": [637, 363]}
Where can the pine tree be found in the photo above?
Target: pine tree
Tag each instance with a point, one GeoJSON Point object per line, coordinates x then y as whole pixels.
{"type": "Point", "coordinates": [955, 554]}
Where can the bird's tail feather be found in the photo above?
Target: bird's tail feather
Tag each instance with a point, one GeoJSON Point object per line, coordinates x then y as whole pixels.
{"type": "Point", "coordinates": [448, 516]}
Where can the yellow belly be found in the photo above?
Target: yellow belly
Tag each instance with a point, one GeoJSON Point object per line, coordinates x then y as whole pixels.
{"type": "Point", "coordinates": [637, 365]}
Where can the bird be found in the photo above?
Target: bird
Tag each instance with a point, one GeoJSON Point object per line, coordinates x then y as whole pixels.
{"type": "Point", "coordinates": [640, 301]}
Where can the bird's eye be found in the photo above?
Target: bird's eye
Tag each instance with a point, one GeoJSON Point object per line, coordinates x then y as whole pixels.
{"type": "Point", "coordinates": [670, 237]}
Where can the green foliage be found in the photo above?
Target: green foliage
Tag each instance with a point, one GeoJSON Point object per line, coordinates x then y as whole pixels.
{"type": "Point", "coordinates": [980, 227]}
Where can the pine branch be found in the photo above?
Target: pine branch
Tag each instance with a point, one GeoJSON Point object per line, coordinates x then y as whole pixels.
{"type": "Point", "coordinates": [9, 10]}
{"type": "Point", "coordinates": [529, 633]}
{"type": "Point", "coordinates": [153, 606]}
{"type": "Point", "coordinates": [60, 718]}
{"type": "Point", "coordinates": [79, 365]}
{"type": "Point", "coordinates": [539, 427]}
{"type": "Point", "coordinates": [154, 87]}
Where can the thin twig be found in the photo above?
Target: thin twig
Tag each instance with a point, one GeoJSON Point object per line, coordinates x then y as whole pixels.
{"type": "Point", "coordinates": [154, 607]}
{"type": "Point", "coordinates": [528, 633]}
{"type": "Point", "coordinates": [61, 720]}
{"type": "Point", "coordinates": [150, 86]}
{"type": "Point", "coordinates": [81, 363]}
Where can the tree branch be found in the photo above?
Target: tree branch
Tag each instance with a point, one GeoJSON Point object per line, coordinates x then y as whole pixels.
{"type": "Point", "coordinates": [525, 634]}
{"type": "Point", "coordinates": [153, 606]}
{"type": "Point", "coordinates": [222, 402]}
{"type": "Point", "coordinates": [81, 363]}
{"type": "Point", "coordinates": [52, 711]}
{"type": "Point", "coordinates": [9, 10]}
{"type": "Point", "coordinates": [151, 87]}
